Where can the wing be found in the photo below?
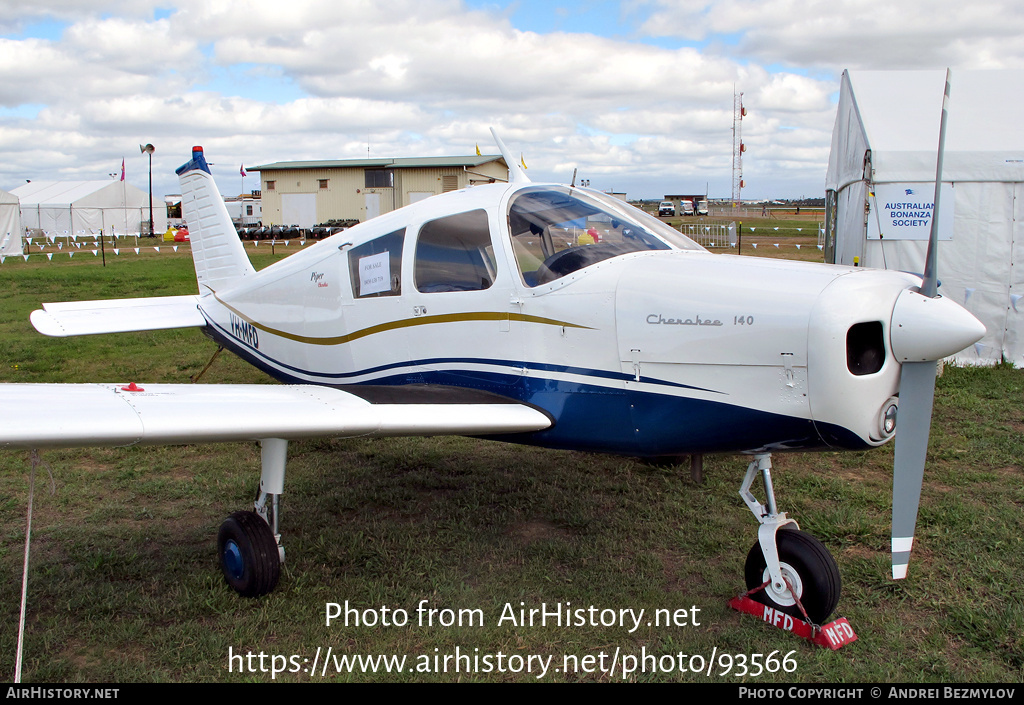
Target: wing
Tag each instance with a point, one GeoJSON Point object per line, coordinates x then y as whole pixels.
{"type": "Point", "coordinates": [87, 415]}
{"type": "Point", "coordinates": [117, 316]}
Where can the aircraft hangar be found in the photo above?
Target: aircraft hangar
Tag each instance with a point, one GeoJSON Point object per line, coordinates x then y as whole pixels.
{"type": "Point", "coordinates": [308, 193]}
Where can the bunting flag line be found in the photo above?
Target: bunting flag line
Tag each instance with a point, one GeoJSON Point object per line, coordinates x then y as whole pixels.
{"type": "Point", "coordinates": [708, 237]}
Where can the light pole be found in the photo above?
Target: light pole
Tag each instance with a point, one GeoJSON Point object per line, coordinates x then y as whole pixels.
{"type": "Point", "coordinates": [149, 149]}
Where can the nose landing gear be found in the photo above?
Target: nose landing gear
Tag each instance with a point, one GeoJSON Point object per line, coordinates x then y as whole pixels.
{"type": "Point", "coordinates": [798, 575]}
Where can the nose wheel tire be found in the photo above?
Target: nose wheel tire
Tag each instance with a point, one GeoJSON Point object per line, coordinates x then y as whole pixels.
{"type": "Point", "coordinates": [248, 554]}
{"type": "Point", "coordinates": [810, 570]}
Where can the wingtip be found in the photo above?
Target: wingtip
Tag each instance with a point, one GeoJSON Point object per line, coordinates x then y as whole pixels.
{"type": "Point", "coordinates": [46, 324]}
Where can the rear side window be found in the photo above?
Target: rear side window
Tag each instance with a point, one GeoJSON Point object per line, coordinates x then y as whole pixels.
{"type": "Point", "coordinates": [455, 254]}
{"type": "Point", "coordinates": [375, 266]}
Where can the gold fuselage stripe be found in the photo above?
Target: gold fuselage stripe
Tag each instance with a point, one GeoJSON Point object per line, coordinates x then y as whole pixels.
{"type": "Point", "coordinates": [403, 323]}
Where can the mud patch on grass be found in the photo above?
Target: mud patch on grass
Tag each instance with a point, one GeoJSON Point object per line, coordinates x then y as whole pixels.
{"type": "Point", "coordinates": [537, 530]}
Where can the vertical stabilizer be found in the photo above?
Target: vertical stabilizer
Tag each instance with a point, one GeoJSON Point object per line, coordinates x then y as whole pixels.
{"type": "Point", "coordinates": [217, 252]}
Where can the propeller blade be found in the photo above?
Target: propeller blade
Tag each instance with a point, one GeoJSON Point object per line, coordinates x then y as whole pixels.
{"type": "Point", "coordinates": [917, 391]}
{"type": "Point", "coordinates": [929, 285]}
{"type": "Point", "coordinates": [917, 378]}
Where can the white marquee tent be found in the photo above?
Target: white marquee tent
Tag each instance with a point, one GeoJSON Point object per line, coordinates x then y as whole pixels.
{"type": "Point", "coordinates": [881, 184]}
{"type": "Point", "coordinates": [87, 207]}
{"type": "Point", "coordinates": [10, 225]}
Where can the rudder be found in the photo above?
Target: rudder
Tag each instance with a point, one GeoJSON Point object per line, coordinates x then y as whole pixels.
{"type": "Point", "coordinates": [219, 257]}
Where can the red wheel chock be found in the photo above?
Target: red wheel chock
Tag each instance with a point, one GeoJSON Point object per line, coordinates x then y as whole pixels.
{"type": "Point", "coordinates": [833, 635]}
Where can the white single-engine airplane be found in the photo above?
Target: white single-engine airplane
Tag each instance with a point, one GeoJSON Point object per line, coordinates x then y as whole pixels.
{"type": "Point", "coordinates": [536, 313]}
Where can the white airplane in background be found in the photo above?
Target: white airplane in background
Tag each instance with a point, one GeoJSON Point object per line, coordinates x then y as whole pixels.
{"type": "Point", "coordinates": [536, 313]}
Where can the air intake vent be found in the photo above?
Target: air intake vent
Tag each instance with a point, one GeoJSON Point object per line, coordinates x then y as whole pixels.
{"type": "Point", "coordinates": [865, 348]}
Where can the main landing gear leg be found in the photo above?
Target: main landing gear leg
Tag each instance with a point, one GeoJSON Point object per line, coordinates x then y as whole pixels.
{"type": "Point", "coordinates": [249, 542]}
{"type": "Point", "coordinates": [797, 567]}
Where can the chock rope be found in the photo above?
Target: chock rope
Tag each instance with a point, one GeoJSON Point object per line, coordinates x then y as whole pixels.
{"type": "Point", "coordinates": [815, 628]}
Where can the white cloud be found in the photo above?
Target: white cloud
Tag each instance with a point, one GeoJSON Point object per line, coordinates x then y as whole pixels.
{"type": "Point", "coordinates": [266, 81]}
{"type": "Point", "coordinates": [838, 34]}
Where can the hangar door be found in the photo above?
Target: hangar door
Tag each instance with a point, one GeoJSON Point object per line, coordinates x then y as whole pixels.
{"type": "Point", "coordinates": [298, 209]}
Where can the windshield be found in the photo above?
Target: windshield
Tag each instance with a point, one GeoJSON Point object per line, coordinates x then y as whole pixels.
{"type": "Point", "coordinates": [557, 231]}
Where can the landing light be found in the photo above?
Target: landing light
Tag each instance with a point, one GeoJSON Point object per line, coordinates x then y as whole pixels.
{"type": "Point", "coordinates": [887, 419]}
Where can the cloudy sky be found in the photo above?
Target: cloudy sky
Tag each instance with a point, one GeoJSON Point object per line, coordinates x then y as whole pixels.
{"type": "Point", "coordinates": [636, 94]}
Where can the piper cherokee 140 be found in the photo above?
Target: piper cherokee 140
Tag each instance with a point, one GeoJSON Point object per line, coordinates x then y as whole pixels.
{"type": "Point", "coordinates": [537, 313]}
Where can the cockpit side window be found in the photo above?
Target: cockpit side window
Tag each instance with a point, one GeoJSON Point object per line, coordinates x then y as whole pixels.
{"type": "Point", "coordinates": [375, 267]}
{"type": "Point", "coordinates": [555, 233]}
{"type": "Point", "coordinates": [455, 253]}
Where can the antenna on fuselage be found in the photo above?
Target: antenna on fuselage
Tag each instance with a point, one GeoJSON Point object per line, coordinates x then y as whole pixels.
{"type": "Point", "coordinates": [516, 175]}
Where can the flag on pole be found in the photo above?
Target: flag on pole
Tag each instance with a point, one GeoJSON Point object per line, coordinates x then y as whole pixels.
{"type": "Point", "coordinates": [523, 161]}
{"type": "Point", "coordinates": [122, 168]}
{"type": "Point", "coordinates": [241, 170]}
{"type": "Point", "coordinates": [478, 151]}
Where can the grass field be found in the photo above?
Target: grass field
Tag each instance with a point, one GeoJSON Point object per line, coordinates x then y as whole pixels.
{"type": "Point", "coordinates": [124, 584]}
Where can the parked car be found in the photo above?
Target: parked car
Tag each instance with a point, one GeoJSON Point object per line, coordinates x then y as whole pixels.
{"type": "Point", "coordinates": [686, 207]}
{"type": "Point", "coordinates": [666, 209]}
{"type": "Point", "coordinates": [702, 207]}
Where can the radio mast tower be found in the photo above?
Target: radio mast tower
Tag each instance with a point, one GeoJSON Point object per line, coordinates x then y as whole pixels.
{"type": "Point", "coordinates": [738, 148]}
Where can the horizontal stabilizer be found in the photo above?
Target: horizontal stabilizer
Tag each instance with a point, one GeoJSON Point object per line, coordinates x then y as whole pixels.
{"type": "Point", "coordinates": [89, 415]}
{"type": "Point", "coordinates": [118, 316]}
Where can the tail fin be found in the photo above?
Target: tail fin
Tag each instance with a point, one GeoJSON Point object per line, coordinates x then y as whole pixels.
{"type": "Point", "coordinates": [216, 250]}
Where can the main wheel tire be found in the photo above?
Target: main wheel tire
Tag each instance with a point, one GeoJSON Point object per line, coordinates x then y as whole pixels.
{"type": "Point", "coordinates": [248, 554]}
{"type": "Point", "coordinates": [810, 569]}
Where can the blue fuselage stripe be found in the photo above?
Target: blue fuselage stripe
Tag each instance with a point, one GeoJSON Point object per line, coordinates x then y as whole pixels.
{"type": "Point", "coordinates": [597, 417]}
